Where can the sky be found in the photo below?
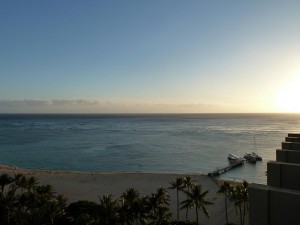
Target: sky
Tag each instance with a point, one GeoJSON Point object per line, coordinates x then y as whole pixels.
{"type": "Point", "coordinates": [158, 56]}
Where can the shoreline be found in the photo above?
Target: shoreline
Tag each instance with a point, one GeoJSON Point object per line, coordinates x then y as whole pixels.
{"type": "Point", "coordinates": [15, 169]}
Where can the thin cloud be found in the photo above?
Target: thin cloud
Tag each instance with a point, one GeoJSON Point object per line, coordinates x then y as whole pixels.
{"type": "Point", "coordinates": [42, 103]}
{"type": "Point", "coordinates": [88, 106]}
{"type": "Point", "coordinates": [189, 105]}
{"type": "Point", "coordinates": [15, 103]}
{"type": "Point", "coordinates": [73, 102]}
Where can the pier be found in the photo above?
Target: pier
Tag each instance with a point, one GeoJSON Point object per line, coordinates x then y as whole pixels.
{"type": "Point", "coordinates": [219, 171]}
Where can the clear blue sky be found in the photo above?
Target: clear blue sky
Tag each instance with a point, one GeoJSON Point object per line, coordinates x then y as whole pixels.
{"type": "Point", "coordinates": [149, 56]}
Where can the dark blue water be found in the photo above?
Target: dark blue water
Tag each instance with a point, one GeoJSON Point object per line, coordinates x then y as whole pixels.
{"type": "Point", "coordinates": [143, 143]}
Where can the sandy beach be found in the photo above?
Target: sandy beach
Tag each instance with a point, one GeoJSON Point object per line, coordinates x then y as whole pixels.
{"type": "Point", "coordinates": [89, 186]}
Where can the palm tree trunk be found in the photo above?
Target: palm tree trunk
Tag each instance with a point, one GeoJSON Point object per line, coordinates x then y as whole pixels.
{"type": "Point", "coordinates": [241, 215]}
{"type": "Point", "coordinates": [177, 205]}
{"type": "Point", "coordinates": [187, 212]}
{"type": "Point", "coordinates": [20, 215]}
{"type": "Point", "coordinates": [226, 208]}
{"type": "Point", "coordinates": [7, 217]}
{"type": "Point", "coordinates": [187, 208]}
{"type": "Point", "coordinates": [244, 213]}
{"type": "Point", "coordinates": [197, 216]}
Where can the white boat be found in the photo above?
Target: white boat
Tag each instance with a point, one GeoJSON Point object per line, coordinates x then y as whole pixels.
{"type": "Point", "coordinates": [233, 158]}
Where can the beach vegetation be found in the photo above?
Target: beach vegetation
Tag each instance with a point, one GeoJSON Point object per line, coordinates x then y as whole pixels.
{"type": "Point", "coordinates": [82, 212]}
{"type": "Point", "coordinates": [24, 201]}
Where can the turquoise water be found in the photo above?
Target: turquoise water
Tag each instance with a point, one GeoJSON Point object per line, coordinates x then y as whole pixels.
{"type": "Point", "coordinates": [195, 143]}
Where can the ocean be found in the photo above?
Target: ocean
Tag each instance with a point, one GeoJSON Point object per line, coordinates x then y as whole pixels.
{"type": "Point", "coordinates": [175, 143]}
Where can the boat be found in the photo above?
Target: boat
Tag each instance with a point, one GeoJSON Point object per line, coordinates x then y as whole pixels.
{"type": "Point", "coordinates": [250, 157]}
{"type": "Point", "coordinates": [233, 158]}
{"type": "Point", "coordinates": [258, 158]}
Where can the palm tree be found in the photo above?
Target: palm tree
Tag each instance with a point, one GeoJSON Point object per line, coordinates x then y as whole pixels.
{"type": "Point", "coordinates": [130, 205]}
{"type": "Point", "coordinates": [41, 202]}
{"type": "Point", "coordinates": [162, 196]}
{"type": "Point", "coordinates": [108, 210]}
{"type": "Point", "coordinates": [32, 183]}
{"type": "Point", "coordinates": [5, 179]}
{"type": "Point", "coordinates": [225, 190]}
{"type": "Point", "coordinates": [56, 208]}
{"type": "Point", "coordinates": [198, 200]}
{"type": "Point", "coordinates": [83, 212]}
{"type": "Point", "coordinates": [21, 208]}
{"type": "Point", "coordinates": [20, 180]}
{"type": "Point", "coordinates": [8, 200]}
{"type": "Point", "coordinates": [178, 185]}
{"type": "Point", "coordinates": [45, 192]}
{"type": "Point", "coordinates": [25, 203]}
{"type": "Point", "coordinates": [240, 196]}
{"type": "Point", "coordinates": [144, 209]}
{"type": "Point", "coordinates": [159, 206]}
{"type": "Point", "coordinates": [187, 183]}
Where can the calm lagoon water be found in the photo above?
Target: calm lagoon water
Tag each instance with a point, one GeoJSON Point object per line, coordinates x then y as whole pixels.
{"type": "Point", "coordinates": [196, 143]}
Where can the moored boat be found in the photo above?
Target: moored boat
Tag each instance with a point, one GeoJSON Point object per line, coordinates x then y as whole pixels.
{"type": "Point", "coordinates": [250, 157]}
{"type": "Point", "coordinates": [233, 158]}
{"type": "Point", "coordinates": [258, 158]}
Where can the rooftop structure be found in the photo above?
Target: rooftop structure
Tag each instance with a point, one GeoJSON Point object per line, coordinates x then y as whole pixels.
{"type": "Point", "coordinates": [278, 202]}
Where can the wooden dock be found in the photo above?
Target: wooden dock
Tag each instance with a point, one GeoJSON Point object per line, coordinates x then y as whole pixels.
{"type": "Point", "coordinates": [219, 171]}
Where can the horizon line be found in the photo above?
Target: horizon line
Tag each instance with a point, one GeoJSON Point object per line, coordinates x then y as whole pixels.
{"type": "Point", "coordinates": [175, 113]}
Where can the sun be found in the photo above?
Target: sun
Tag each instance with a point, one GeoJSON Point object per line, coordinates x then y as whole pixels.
{"type": "Point", "coordinates": [287, 98]}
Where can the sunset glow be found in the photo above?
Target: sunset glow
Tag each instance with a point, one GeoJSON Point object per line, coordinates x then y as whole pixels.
{"type": "Point", "coordinates": [287, 98]}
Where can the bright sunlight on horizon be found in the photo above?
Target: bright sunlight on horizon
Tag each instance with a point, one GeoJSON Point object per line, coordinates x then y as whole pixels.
{"type": "Point", "coordinates": [149, 56]}
{"type": "Point", "coordinates": [287, 98]}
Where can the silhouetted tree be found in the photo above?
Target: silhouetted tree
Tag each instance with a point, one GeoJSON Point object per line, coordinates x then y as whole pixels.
{"type": "Point", "coordinates": [129, 206]}
{"type": "Point", "coordinates": [240, 196]}
{"type": "Point", "coordinates": [187, 183]}
{"type": "Point", "coordinates": [5, 179]}
{"type": "Point", "coordinates": [178, 185]}
{"type": "Point", "coordinates": [83, 212]}
{"type": "Point", "coordinates": [225, 189]}
{"type": "Point", "coordinates": [108, 210]}
{"type": "Point", "coordinates": [198, 200]}
{"type": "Point", "coordinates": [159, 205]}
